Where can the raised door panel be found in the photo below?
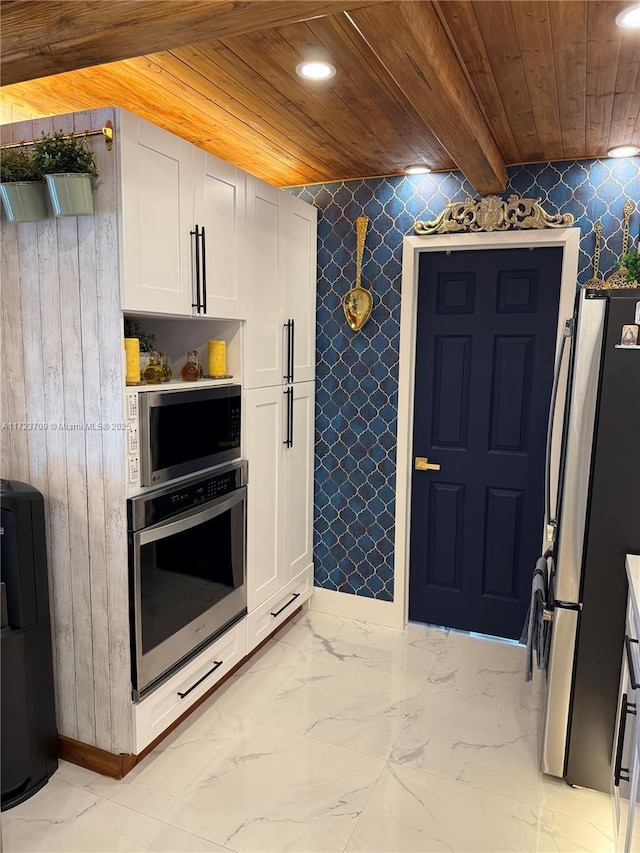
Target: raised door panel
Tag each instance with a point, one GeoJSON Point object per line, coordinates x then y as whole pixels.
{"type": "Point", "coordinates": [300, 288]}
{"type": "Point", "coordinates": [297, 518]}
{"type": "Point", "coordinates": [220, 208]}
{"type": "Point", "coordinates": [157, 212]}
{"type": "Point", "coordinates": [263, 422]}
{"type": "Point", "coordinates": [265, 331]}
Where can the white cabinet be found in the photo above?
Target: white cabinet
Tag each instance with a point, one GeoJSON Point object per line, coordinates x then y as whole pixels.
{"type": "Point", "coordinates": [300, 264]}
{"type": "Point", "coordinates": [171, 700]}
{"type": "Point", "coordinates": [220, 213]}
{"type": "Point", "coordinates": [624, 757]}
{"type": "Point", "coordinates": [626, 749]}
{"type": "Point", "coordinates": [263, 419]}
{"type": "Point", "coordinates": [268, 616]}
{"type": "Point", "coordinates": [156, 202]}
{"type": "Point", "coordinates": [264, 364]}
{"type": "Point", "coordinates": [297, 470]}
{"type": "Point", "coordinates": [182, 225]}
{"type": "Point", "coordinates": [279, 429]}
{"type": "Point", "coordinates": [282, 281]}
{"type": "Point", "coordinates": [279, 404]}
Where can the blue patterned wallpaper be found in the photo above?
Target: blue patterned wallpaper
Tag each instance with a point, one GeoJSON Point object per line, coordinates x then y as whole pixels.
{"type": "Point", "coordinates": [357, 372]}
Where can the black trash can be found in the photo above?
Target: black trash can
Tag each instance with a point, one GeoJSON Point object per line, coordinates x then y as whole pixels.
{"type": "Point", "coordinates": [29, 738]}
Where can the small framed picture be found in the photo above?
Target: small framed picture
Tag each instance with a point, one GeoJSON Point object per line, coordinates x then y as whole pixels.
{"type": "Point", "coordinates": [637, 318]}
{"type": "Point", "coordinates": [629, 336]}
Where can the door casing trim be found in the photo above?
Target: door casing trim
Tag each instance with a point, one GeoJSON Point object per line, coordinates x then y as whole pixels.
{"type": "Point", "coordinates": [566, 238]}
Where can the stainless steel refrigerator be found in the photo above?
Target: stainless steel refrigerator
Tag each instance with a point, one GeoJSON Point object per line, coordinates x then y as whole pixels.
{"type": "Point", "coordinates": [597, 522]}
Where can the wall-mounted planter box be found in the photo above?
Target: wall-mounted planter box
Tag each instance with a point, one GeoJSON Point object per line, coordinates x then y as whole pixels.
{"type": "Point", "coordinates": [24, 201]}
{"type": "Point", "coordinates": [71, 193]}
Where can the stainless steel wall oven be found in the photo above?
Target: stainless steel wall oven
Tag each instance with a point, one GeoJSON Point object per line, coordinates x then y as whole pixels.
{"type": "Point", "coordinates": [186, 568]}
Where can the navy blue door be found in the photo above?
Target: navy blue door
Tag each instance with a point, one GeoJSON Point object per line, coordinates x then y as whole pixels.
{"type": "Point", "coordinates": [484, 369]}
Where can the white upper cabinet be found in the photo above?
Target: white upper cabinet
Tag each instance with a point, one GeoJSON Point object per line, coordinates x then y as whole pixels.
{"type": "Point", "coordinates": [264, 364]}
{"type": "Point", "coordinates": [220, 216]}
{"type": "Point", "coordinates": [157, 214]}
{"type": "Point", "coordinates": [182, 226]}
{"type": "Point", "coordinates": [300, 253]}
{"type": "Point", "coordinates": [282, 282]}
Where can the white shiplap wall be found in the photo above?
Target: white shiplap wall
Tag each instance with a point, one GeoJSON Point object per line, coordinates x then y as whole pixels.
{"type": "Point", "coordinates": [62, 364]}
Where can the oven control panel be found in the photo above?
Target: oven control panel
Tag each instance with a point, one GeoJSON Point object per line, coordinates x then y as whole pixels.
{"type": "Point", "coordinates": [162, 504]}
{"type": "Point", "coordinates": [206, 490]}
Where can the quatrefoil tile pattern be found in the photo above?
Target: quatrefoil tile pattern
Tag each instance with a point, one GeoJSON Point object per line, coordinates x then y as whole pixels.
{"type": "Point", "coordinates": [357, 372]}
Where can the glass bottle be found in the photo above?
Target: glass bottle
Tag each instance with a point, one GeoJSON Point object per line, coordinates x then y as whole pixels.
{"type": "Point", "coordinates": [191, 370]}
{"type": "Point", "coordinates": [152, 374]}
{"type": "Point", "coordinates": [167, 373]}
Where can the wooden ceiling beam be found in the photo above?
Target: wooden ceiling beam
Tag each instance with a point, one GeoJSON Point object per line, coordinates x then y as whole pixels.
{"type": "Point", "coordinates": [425, 66]}
{"type": "Point", "coordinates": [45, 37]}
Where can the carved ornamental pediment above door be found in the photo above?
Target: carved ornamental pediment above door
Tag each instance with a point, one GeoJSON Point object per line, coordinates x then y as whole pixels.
{"type": "Point", "coordinates": [493, 213]}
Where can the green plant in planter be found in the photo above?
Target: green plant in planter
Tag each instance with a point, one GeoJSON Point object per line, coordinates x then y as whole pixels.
{"type": "Point", "coordinates": [132, 329]}
{"type": "Point", "coordinates": [68, 165]}
{"type": "Point", "coordinates": [58, 152]}
{"type": "Point", "coordinates": [18, 164]}
{"type": "Point", "coordinates": [631, 264]}
{"type": "Point", "coordinates": [21, 187]}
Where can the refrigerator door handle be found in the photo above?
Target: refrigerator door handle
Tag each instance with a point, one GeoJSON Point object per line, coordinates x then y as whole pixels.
{"type": "Point", "coordinates": [552, 520]}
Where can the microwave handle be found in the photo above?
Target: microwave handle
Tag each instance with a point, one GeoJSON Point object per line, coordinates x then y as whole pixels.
{"type": "Point", "coordinates": [190, 519]}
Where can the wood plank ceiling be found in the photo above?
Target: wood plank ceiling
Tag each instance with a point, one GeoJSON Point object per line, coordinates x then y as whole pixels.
{"type": "Point", "coordinates": [470, 84]}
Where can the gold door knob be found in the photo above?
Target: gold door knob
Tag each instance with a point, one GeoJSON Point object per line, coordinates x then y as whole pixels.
{"type": "Point", "coordinates": [423, 464]}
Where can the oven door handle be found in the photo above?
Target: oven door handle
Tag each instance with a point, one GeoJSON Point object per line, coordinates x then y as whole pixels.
{"type": "Point", "coordinates": [190, 519]}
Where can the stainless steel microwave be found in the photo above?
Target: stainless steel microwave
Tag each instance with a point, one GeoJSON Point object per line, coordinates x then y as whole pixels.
{"type": "Point", "coordinates": [187, 431]}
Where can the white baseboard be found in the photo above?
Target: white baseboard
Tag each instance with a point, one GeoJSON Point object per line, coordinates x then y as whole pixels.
{"type": "Point", "coordinates": [387, 613]}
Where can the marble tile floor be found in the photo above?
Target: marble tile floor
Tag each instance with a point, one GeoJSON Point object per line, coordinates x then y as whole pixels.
{"type": "Point", "coordinates": [336, 736]}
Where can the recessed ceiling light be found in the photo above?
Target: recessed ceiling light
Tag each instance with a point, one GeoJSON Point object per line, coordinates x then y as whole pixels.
{"type": "Point", "coordinates": [623, 151]}
{"type": "Point", "coordinates": [315, 70]}
{"type": "Point", "coordinates": [417, 170]}
{"type": "Point", "coordinates": [629, 19]}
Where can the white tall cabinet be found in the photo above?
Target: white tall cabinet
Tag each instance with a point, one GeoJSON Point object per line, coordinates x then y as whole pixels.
{"type": "Point", "coordinates": [66, 285]}
{"type": "Point", "coordinates": [279, 410]}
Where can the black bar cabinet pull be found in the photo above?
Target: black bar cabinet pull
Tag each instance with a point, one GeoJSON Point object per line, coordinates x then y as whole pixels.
{"type": "Point", "coordinates": [287, 376]}
{"type": "Point", "coordinates": [620, 773]}
{"type": "Point", "coordinates": [632, 673]}
{"type": "Point", "coordinates": [196, 234]}
{"type": "Point", "coordinates": [204, 273]}
{"type": "Point", "coordinates": [293, 349]}
{"type": "Point", "coordinates": [217, 663]}
{"type": "Point", "coordinates": [284, 606]}
{"type": "Point", "coordinates": [290, 418]}
{"type": "Point", "coordinates": [288, 393]}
